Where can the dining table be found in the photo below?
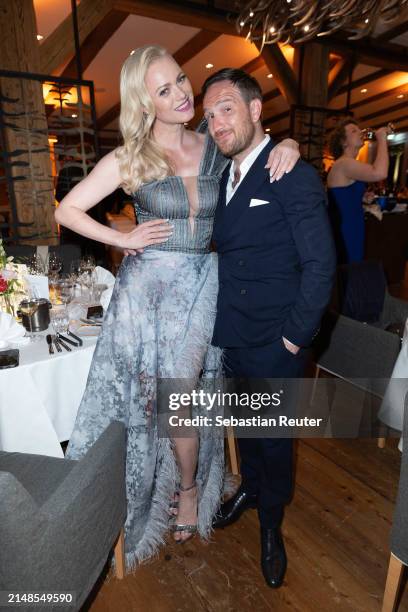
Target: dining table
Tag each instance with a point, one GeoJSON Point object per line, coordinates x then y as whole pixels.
{"type": "Point", "coordinates": [39, 398]}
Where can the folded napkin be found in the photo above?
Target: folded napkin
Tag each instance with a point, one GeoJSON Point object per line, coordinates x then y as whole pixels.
{"type": "Point", "coordinates": [11, 331]}
{"type": "Point", "coordinates": [37, 286]}
{"type": "Point", "coordinates": [101, 276]}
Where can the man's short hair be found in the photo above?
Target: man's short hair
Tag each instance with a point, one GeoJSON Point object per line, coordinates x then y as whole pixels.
{"type": "Point", "coordinates": [338, 136]}
{"type": "Point", "coordinates": [247, 85]}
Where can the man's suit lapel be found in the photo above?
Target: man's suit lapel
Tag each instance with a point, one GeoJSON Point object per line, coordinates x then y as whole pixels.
{"type": "Point", "coordinates": [255, 177]}
{"type": "Point", "coordinates": [220, 210]}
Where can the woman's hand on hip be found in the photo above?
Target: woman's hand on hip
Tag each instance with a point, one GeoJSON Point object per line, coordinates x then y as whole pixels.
{"type": "Point", "coordinates": [145, 234]}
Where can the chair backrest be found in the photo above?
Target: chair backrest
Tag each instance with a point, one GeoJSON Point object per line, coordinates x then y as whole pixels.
{"type": "Point", "coordinates": [361, 290]}
{"type": "Point", "coordinates": [63, 544]}
{"type": "Point", "coordinates": [399, 532]}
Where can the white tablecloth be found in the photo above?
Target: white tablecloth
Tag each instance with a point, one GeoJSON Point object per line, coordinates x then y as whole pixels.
{"type": "Point", "coordinates": [392, 408]}
{"type": "Point", "coordinates": [39, 399]}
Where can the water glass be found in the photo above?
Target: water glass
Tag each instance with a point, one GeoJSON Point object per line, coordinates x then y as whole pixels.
{"type": "Point", "coordinates": [66, 291]}
{"type": "Point", "coordinates": [60, 320]}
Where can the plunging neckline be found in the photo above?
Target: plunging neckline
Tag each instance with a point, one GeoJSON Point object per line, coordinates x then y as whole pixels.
{"type": "Point", "coordinates": [192, 196]}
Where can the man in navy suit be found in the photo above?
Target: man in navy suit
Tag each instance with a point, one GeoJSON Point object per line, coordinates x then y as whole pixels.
{"type": "Point", "coordinates": [276, 269]}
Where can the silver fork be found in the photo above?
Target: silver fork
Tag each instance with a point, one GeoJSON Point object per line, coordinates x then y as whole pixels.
{"type": "Point", "coordinates": [57, 344]}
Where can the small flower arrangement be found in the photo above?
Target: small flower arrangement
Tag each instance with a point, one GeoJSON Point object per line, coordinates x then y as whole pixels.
{"type": "Point", "coordinates": [8, 276]}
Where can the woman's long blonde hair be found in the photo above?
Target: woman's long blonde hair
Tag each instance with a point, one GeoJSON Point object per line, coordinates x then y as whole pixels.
{"type": "Point", "coordinates": [140, 158]}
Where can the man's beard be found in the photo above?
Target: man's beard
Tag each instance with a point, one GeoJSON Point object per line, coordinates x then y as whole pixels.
{"type": "Point", "coordinates": [241, 141]}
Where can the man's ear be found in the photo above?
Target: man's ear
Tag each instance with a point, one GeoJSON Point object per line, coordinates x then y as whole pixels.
{"type": "Point", "coordinates": [255, 109]}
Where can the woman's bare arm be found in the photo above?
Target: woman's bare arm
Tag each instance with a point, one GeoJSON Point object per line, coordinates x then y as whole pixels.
{"type": "Point", "coordinates": [101, 182]}
{"type": "Point", "coordinates": [282, 158]}
{"type": "Point", "coordinates": [352, 170]}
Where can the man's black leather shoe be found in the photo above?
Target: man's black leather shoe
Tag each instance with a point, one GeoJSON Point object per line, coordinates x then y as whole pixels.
{"type": "Point", "coordinates": [232, 509]}
{"type": "Point", "coordinates": [273, 557]}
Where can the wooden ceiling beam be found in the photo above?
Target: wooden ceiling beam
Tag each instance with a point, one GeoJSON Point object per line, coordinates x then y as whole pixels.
{"type": "Point", "coordinates": [378, 74]}
{"type": "Point", "coordinates": [377, 97]}
{"type": "Point", "coordinates": [186, 14]}
{"type": "Point", "coordinates": [399, 128]}
{"type": "Point", "coordinates": [274, 118]}
{"type": "Point", "coordinates": [271, 95]}
{"type": "Point", "coordinates": [337, 75]}
{"type": "Point", "coordinates": [59, 46]}
{"type": "Point", "coordinates": [193, 46]}
{"type": "Point", "coordinates": [369, 51]}
{"type": "Point", "coordinates": [109, 116]}
{"type": "Point", "coordinates": [385, 111]}
{"type": "Point", "coordinates": [95, 40]}
{"type": "Point", "coordinates": [392, 33]}
{"type": "Point", "coordinates": [254, 65]}
{"type": "Point", "coordinates": [282, 72]}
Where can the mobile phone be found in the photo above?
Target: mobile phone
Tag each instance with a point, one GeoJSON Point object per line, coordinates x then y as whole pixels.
{"type": "Point", "coordinates": [95, 312]}
{"type": "Point", "coordinates": [9, 358]}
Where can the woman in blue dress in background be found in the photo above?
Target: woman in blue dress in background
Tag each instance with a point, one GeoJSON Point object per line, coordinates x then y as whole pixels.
{"type": "Point", "coordinates": [160, 319]}
{"type": "Point", "coordinates": [346, 184]}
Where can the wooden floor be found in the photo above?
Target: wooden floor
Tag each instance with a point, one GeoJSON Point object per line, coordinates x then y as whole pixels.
{"type": "Point", "coordinates": [336, 532]}
{"type": "Point", "coordinates": [337, 539]}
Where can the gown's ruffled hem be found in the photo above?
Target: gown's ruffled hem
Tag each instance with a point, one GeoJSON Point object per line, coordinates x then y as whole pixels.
{"type": "Point", "coordinates": [158, 524]}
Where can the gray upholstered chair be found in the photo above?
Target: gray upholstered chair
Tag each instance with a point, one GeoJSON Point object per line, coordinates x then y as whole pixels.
{"type": "Point", "coordinates": [362, 353]}
{"type": "Point", "coordinates": [59, 519]}
{"type": "Point", "coordinates": [399, 531]}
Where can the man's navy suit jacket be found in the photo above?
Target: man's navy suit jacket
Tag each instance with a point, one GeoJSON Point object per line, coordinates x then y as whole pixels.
{"type": "Point", "coordinates": [276, 260]}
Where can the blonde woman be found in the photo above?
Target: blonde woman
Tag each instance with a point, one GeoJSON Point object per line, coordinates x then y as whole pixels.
{"type": "Point", "coordinates": [160, 318]}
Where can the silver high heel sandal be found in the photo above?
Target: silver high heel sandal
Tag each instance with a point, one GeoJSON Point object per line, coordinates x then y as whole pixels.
{"type": "Point", "coordinates": [177, 527]}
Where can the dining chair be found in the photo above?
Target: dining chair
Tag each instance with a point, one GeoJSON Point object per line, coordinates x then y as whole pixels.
{"type": "Point", "coordinates": [59, 518]}
{"type": "Point", "coordinates": [232, 451]}
{"type": "Point", "coordinates": [399, 531]}
{"type": "Point", "coordinates": [355, 343]}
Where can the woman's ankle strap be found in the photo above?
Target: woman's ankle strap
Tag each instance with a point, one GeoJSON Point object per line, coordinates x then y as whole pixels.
{"type": "Point", "coordinates": [184, 489]}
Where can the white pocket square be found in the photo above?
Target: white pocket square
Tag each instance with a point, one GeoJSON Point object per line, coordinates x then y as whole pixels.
{"type": "Point", "coordinates": [256, 202]}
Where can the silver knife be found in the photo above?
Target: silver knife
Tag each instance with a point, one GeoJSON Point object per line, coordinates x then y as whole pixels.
{"type": "Point", "coordinates": [49, 342]}
{"type": "Point", "coordinates": [67, 340]}
{"type": "Point", "coordinates": [57, 344]}
{"type": "Point", "coordinates": [64, 344]}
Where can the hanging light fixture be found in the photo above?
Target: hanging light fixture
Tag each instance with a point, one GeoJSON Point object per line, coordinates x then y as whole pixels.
{"type": "Point", "coordinates": [295, 21]}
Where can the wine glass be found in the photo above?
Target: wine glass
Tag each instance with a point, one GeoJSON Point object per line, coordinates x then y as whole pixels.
{"type": "Point", "coordinates": [74, 273]}
{"type": "Point", "coordinates": [88, 263]}
{"type": "Point", "coordinates": [28, 308]}
{"type": "Point", "coordinates": [75, 267]}
{"type": "Point", "coordinates": [36, 264]}
{"type": "Point", "coordinates": [86, 281]}
{"type": "Point", "coordinates": [54, 265]}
